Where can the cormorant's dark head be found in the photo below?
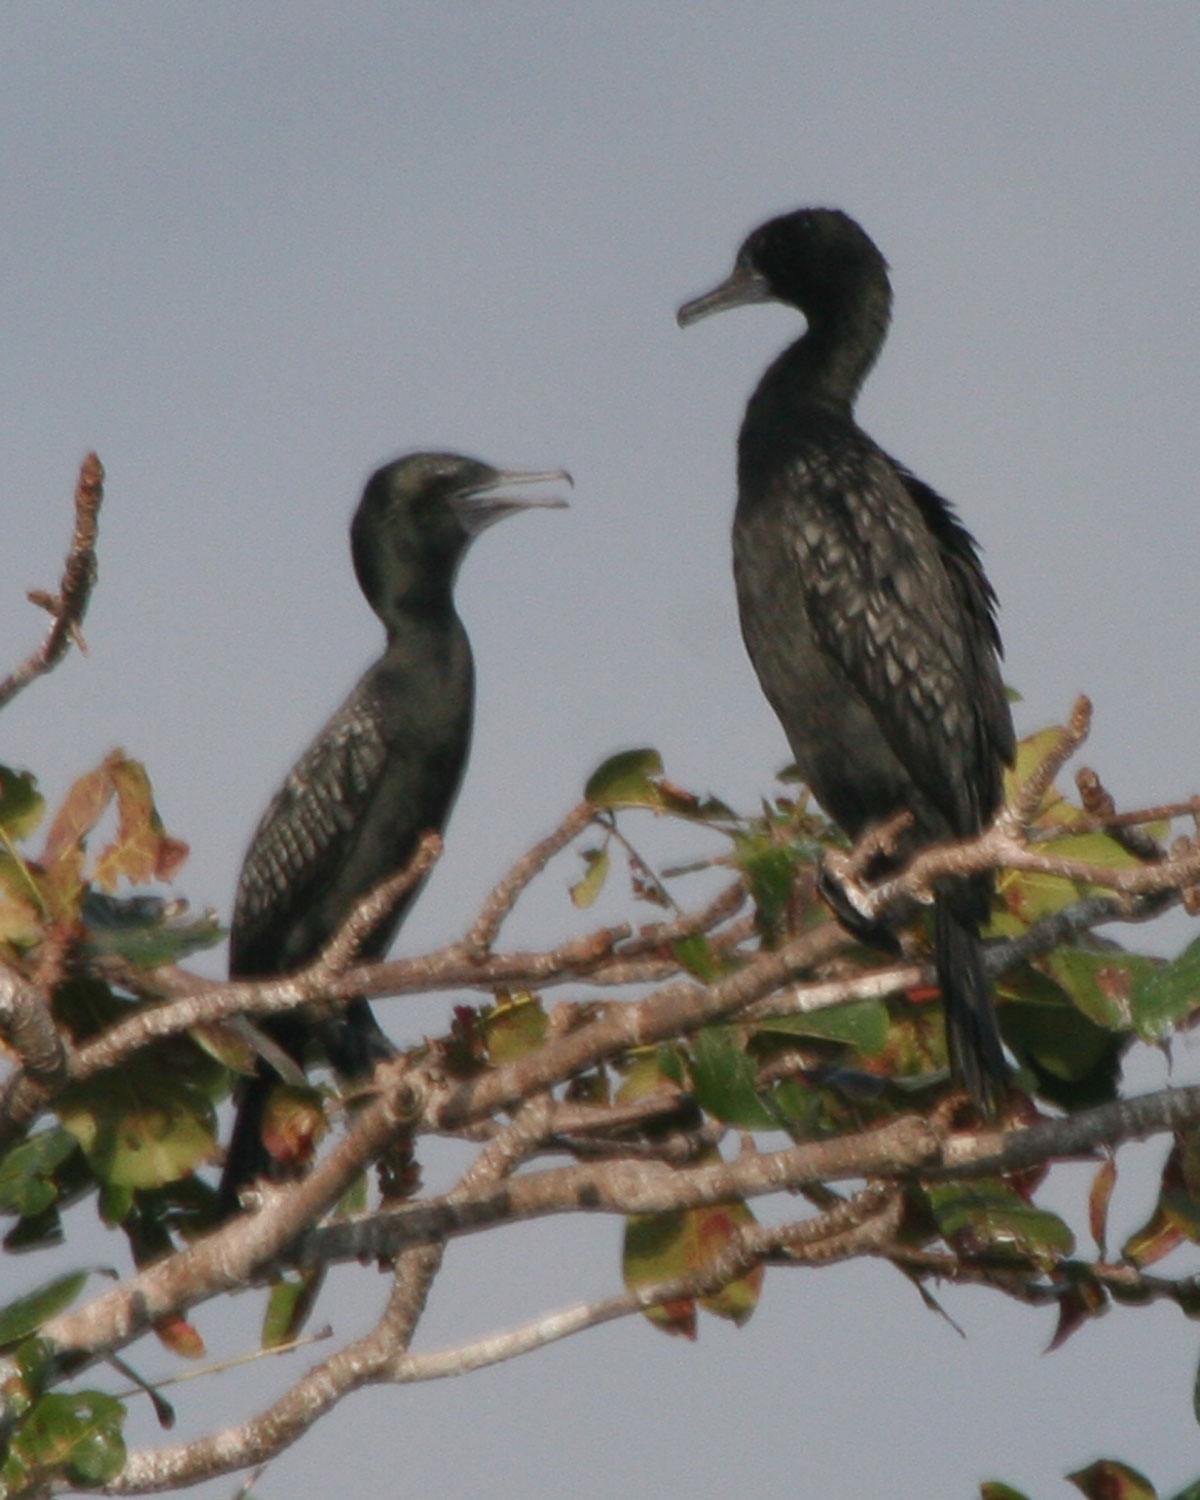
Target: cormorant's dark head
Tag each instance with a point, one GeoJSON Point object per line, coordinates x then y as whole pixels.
{"type": "Point", "coordinates": [817, 259]}
{"type": "Point", "coordinates": [822, 262]}
{"type": "Point", "coordinates": [417, 517]}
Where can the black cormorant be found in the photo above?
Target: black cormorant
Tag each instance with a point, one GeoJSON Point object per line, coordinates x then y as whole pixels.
{"type": "Point", "coordinates": [383, 771]}
{"type": "Point", "coordinates": [864, 606]}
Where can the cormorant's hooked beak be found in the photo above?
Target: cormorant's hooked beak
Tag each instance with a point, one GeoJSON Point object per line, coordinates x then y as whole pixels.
{"type": "Point", "coordinates": [483, 505]}
{"type": "Point", "coordinates": [743, 286]}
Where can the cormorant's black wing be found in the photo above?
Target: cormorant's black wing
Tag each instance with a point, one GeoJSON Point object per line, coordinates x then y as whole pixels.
{"type": "Point", "coordinates": [304, 838]}
{"type": "Point", "coordinates": [977, 601]}
{"type": "Point", "coordinates": [902, 607]}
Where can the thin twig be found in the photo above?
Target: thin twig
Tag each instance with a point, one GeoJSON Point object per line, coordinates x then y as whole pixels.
{"type": "Point", "coordinates": [1124, 830]}
{"type": "Point", "coordinates": [69, 605]}
{"type": "Point", "coordinates": [860, 1225]}
{"type": "Point", "coordinates": [343, 948]}
{"type": "Point", "coordinates": [504, 896]}
{"type": "Point", "coordinates": [1020, 812]}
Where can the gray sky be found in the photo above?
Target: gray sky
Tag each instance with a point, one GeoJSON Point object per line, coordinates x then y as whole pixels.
{"type": "Point", "coordinates": [253, 251]}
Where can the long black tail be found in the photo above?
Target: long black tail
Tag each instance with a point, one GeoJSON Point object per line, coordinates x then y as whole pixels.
{"type": "Point", "coordinates": [972, 1039]}
{"type": "Point", "coordinates": [247, 1158]}
{"type": "Point", "coordinates": [353, 1042]}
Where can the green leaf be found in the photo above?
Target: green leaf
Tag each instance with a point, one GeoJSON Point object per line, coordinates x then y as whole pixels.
{"type": "Point", "coordinates": [27, 1184]}
{"type": "Point", "coordinates": [695, 954]}
{"type": "Point", "coordinates": [141, 1125]}
{"type": "Point", "coordinates": [725, 1081]}
{"type": "Point", "coordinates": [988, 1212]}
{"type": "Point", "coordinates": [862, 1024]}
{"type": "Point", "coordinates": [78, 1435]}
{"type": "Point", "coordinates": [146, 930]}
{"type": "Point", "coordinates": [994, 1490]}
{"type": "Point", "coordinates": [40, 1231]}
{"type": "Point", "coordinates": [1196, 1395]}
{"type": "Point", "coordinates": [648, 1070]}
{"type": "Point", "coordinates": [514, 1028]}
{"type": "Point", "coordinates": [1031, 895]}
{"type": "Point", "coordinates": [21, 804]}
{"type": "Point", "coordinates": [289, 1305]}
{"type": "Point", "coordinates": [662, 1247]}
{"type": "Point", "coordinates": [770, 871]}
{"type": "Point", "coordinates": [585, 891]}
{"type": "Point", "coordinates": [1076, 1061]}
{"type": "Point", "coordinates": [1106, 1479]}
{"type": "Point", "coordinates": [1101, 984]}
{"type": "Point", "coordinates": [1170, 994]}
{"type": "Point", "coordinates": [624, 780]}
{"type": "Point", "coordinates": [669, 1061]}
{"type": "Point", "coordinates": [20, 1318]}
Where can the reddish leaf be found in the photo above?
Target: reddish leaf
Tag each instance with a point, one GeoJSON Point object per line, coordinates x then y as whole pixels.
{"type": "Point", "coordinates": [82, 809]}
{"type": "Point", "coordinates": [1176, 1215]}
{"type": "Point", "coordinates": [179, 1336]}
{"type": "Point", "coordinates": [293, 1125]}
{"type": "Point", "coordinates": [1082, 1301]}
{"type": "Point", "coordinates": [1188, 1145]}
{"type": "Point", "coordinates": [1157, 1237]}
{"type": "Point", "coordinates": [1099, 1198]}
{"type": "Point", "coordinates": [142, 851]}
{"type": "Point", "coordinates": [657, 1249]}
{"type": "Point", "coordinates": [715, 1227]}
{"type": "Point", "coordinates": [678, 1317]}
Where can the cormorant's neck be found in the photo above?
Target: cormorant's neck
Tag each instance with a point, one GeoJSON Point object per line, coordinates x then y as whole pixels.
{"type": "Point", "coordinates": [418, 614]}
{"type": "Point", "coordinates": [411, 592]}
{"type": "Point", "coordinates": [830, 361]}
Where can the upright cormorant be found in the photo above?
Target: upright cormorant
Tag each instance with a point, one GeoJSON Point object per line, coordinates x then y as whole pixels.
{"type": "Point", "coordinates": [383, 771]}
{"type": "Point", "coordinates": [864, 606]}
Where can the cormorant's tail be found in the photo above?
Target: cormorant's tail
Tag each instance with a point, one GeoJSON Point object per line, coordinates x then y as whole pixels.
{"type": "Point", "coordinates": [353, 1042]}
{"type": "Point", "coordinates": [972, 1039]}
{"type": "Point", "coordinates": [247, 1158]}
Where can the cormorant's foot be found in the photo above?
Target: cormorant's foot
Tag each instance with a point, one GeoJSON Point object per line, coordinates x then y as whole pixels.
{"type": "Point", "coordinates": [869, 930]}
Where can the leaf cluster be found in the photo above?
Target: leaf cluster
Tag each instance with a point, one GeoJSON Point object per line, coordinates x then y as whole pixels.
{"type": "Point", "coordinates": [140, 1136]}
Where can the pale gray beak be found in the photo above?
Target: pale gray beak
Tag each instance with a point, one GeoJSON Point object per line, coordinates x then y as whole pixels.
{"type": "Point", "coordinates": [481, 507]}
{"type": "Point", "coordinates": [743, 286]}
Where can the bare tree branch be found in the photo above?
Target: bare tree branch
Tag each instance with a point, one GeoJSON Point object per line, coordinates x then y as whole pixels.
{"type": "Point", "coordinates": [246, 1248]}
{"type": "Point", "coordinates": [234, 1254]}
{"type": "Point", "coordinates": [343, 948]}
{"type": "Point", "coordinates": [27, 1025]}
{"type": "Point", "coordinates": [631, 1158]}
{"type": "Point", "coordinates": [504, 896]}
{"type": "Point", "coordinates": [1029, 798]}
{"type": "Point", "coordinates": [69, 605]}
{"type": "Point", "coordinates": [857, 1226]}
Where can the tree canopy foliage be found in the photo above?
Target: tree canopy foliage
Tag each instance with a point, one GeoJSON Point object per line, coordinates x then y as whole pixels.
{"type": "Point", "coordinates": [728, 1043]}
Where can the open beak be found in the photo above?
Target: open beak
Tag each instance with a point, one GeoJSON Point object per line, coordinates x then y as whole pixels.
{"type": "Point", "coordinates": [487, 503]}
